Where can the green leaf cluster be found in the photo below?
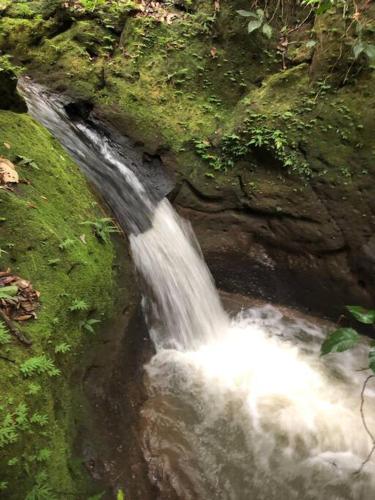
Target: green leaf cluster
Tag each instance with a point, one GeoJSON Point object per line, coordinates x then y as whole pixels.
{"type": "Point", "coordinates": [39, 365]}
{"type": "Point", "coordinates": [258, 21]}
{"type": "Point", "coordinates": [103, 227]}
{"type": "Point", "coordinates": [343, 339]}
{"type": "Point", "coordinates": [78, 305]}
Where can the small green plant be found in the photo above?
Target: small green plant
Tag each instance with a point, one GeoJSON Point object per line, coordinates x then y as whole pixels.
{"type": "Point", "coordinates": [33, 388]}
{"type": "Point", "coordinates": [78, 305]}
{"type": "Point", "coordinates": [24, 161]}
{"type": "Point", "coordinates": [255, 134]}
{"type": "Point", "coordinates": [39, 365]}
{"type": "Point", "coordinates": [21, 416]}
{"type": "Point", "coordinates": [41, 489]}
{"type": "Point", "coordinates": [88, 325]}
{"type": "Point", "coordinates": [320, 6]}
{"type": "Point", "coordinates": [102, 228]}
{"type": "Point", "coordinates": [66, 244]}
{"type": "Point", "coordinates": [8, 431]}
{"type": "Point", "coordinates": [258, 21]}
{"type": "Point", "coordinates": [7, 66]}
{"type": "Point", "coordinates": [343, 339]}
{"type": "Point", "coordinates": [361, 46]}
{"type": "Point", "coordinates": [91, 5]}
{"type": "Point", "coordinates": [120, 495]}
{"type": "Point", "coordinates": [4, 335]}
{"type": "Point", "coordinates": [63, 348]}
{"type": "Point", "coordinates": [39, 419]}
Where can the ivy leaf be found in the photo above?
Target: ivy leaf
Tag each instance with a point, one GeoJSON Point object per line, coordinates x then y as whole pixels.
{"type": "Point", "coordinates": [358, 48]}
{"type": "Point", "coordinates": [370, 51]}
{"type": "Point", "coordinates": [340, 340]}
{"type": "Point", "coordinates": [366, 316]}
{"type": "Point", "coordinates": [310, 44]}
{"type": "Point", "coordinates": [267, 30]}
{"type": "Point", "coordinates": [253, 25]}
{"type": "Point", "coordinates": [246, 13]}
{"type": "Point", "coordinates": [371, 360]}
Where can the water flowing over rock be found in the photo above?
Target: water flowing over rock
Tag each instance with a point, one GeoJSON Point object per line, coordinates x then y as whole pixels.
{"type": "Point", "coordinates": [238, 408]}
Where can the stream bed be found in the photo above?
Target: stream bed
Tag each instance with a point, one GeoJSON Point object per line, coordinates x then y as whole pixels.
{"type": "Point", "coordinates": [236, 406]}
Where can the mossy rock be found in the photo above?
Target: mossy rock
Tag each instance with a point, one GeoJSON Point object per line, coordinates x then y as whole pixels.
{"type": "Point", "coordinates": [9, 97]}
{"type": "Point", "coordinates": [43, 239]}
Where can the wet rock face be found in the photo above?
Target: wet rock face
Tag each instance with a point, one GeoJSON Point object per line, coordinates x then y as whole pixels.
{"type": "Point", "coordinates": [9, 97]}
{"type": "Point", "coordinates": [306, 254]}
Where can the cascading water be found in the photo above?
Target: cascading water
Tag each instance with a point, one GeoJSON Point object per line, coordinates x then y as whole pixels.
{"type": "Point", "coordinates": [240, 408]}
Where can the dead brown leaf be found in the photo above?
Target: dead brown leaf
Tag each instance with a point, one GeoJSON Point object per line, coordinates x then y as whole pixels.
{"type": "Point", "coordinates": [22, 306]}
{"type": "Point", "coordinates": [213, 52]}
{"type": "Point", "coordinates": [8, 172]}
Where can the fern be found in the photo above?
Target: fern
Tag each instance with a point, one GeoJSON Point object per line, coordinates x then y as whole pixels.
{"type": "Point", "coordinates": [78, 305]}
{"type": "Point", "coordinates": [41, 490]}
{"type": "Point", "coordinates": [8, 431]}
{"type": "Point", "coordinates": [43, 455]}
{"type": "Point", "coordinates": [88, 324]}
{"type": "Point", "coordinates": [20, 416]}
{"type": "Point", "coordinates": [67, 243]}
{"type": "Point", "coordinates": [39, 365]}
{"type": "Point", "coordinates": [39, 419]}
{"type": "Point", "coordinates": [34, 388]}
{"type": "Point", "coordinates": [102, 228]}
{"type": "Point", "coordinates": [4, 336]}
{"type": "Point", "coordinates": [63, 348]}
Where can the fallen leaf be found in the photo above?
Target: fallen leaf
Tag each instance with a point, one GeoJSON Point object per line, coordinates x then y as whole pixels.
{"type": "Point", "coordinates": [25, 317]}
{"type": "Point", "coordinates": [8, 172]}
{"type": "Point", "coordinates": [31, 205]}
{"type": "Point", "coordinates": [7, 145]}
{"type": "Point", "coordinates": [83, 238]}
{"type": "Point", "coordinates": [213, 52]}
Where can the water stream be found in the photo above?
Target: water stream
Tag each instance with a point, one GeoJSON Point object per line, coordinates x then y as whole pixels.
{"type": "Point", "coordinates": [239, 407]}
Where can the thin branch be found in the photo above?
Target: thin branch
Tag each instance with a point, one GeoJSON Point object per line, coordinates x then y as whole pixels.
{"type": "Point", "coordinates": [369, 433]}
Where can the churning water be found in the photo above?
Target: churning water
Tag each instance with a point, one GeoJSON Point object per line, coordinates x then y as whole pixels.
{"type": "Point", "coordinates": [239, 408]}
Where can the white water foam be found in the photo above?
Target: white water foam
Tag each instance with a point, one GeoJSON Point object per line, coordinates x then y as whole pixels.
{"type": "Point", "coordinates": [257, 414]}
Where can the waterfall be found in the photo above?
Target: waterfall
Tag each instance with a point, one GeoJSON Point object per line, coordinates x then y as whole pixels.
{"type": "Point", "coordinates": [186, 303]}
{"type": "Point", "coordinates": [238, 407]}
{"type": "Point", "coordinates": [186, 309]}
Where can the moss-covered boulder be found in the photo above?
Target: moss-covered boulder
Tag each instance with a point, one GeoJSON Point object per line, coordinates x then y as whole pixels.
{"type": "Point", "coordinates": [45, 238]}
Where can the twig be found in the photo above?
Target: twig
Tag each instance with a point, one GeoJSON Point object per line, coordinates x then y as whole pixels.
{"type": "Point", "coordinates": [369, 433]}
{"type": "Point", "coordinates": [301, 23]}
{"type": "Point", "coordinates": [7, 359]}
{"type": "Point", "coordinates": [275, 11]}
{"type": "Point", "coordinates": [13, 330]}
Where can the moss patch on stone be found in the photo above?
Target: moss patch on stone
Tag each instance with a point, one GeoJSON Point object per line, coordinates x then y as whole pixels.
{"type": "Point", "coordinates": [42, 239]}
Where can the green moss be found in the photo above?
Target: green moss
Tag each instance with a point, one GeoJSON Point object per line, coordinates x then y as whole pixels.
{"type": "Point", "coordinates": [39, 217]}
